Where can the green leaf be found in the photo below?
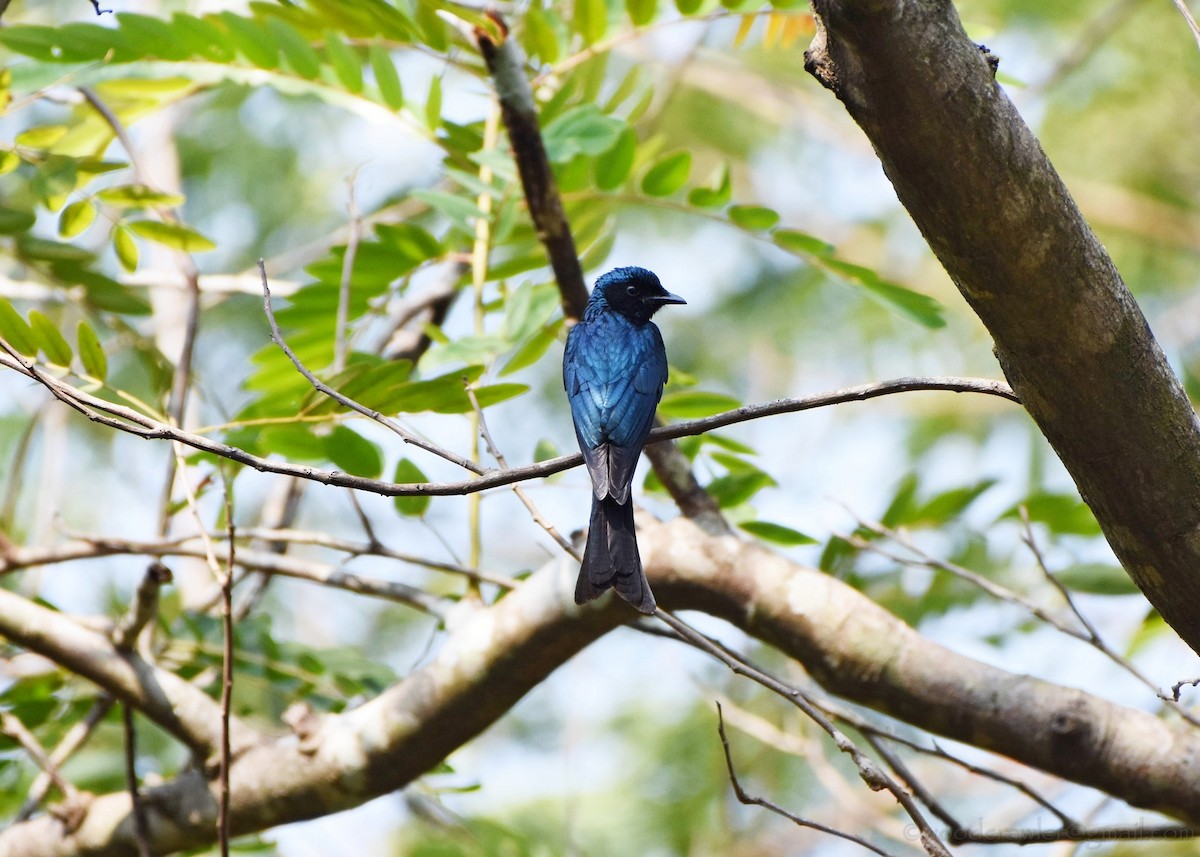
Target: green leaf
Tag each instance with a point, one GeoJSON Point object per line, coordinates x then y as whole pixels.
{"type": "Point", "coordinates": [345, 62]}
{"type": "Point", "coordinates": [917, 306]}
{"type": "Point", "coordinates": [737, 488]}
{"type": "Point", "coordinates": [949, 504]}
{"type": "Point", "coordinates": [777, 533]}
{"type": "Point", "coordinates": [139, 196]}
{"type": "Point", "coordinates": [542, 40]}
{"type": "Point", "coordinates": [41, 137]}
{"type": "Point", "coordinates": [51, 342]}
{"type": "Point", "coordinates": [801, 243]}
{"type": "Point", "coordinates": [717, 194]}
{"type": "Point", "coordinates": [16, 331]}
{"type": "Point", "coordinates": [529, 308]}
{"type": "Point", "coordinates": [353, 453]}
{"type": "Point", "coordinates": [1065, 514]}
{"type": "Point", "coordinates": [494, 394]}
{"type": "Point", "coordinates": [171, 235]}
{"type": "Point", "coordinates": [297, 51]}
{"type": "Point", "coordinates": [126, 248]}
{"type": "Point", "coordinates": [13, 221]}
{"type": "Point", "coordinates": [689, 404]}
{"type": "Point", "coordinates": [612, 167]}
{"type": "Point", "coordinates": [445, 394]}
{"type": "Point", "coordinates": [461, 211]}
{"type": "Point", "coordinates": [590, 20]}
{"type": "Point", "coordinates": [582, 130]}
{"type": "Point", "coordinates": [668, 175]}
{"type": "Point", "coordinates": [1098, 578]}
{"type": "Point", "coordinates": [386, 77]}
{"type": "Point", "coordinates": [91, 355]}
{"type": "Point", "coordinates": [433, 104]}
{"type": "Point", "coordinates": [688, 7]}
{"type": "Point", "coordinates": [641, 12]}
{"type": "Point", "coordinates": [76, 218]}
{"type": "Point", "coordinates": [9, 161]}
{"type": "Point", "coordinates": [532, 350]}
{"type": "Point", "coordinates": [407, 472]}
{"type": "Point", "coordinates": [254, 41]}
{"type": "Point", "coordinates": [753, 216]}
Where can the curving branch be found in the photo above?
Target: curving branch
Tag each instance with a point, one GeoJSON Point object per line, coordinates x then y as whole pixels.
{"type": "Point", "coordinates": [180, 708]}
{"type": "Point", "coordinates": [1070, 337]}
{"type": "Point", "coordinates": [135, 422]}
{"type": "Point", "coordinates": [849, 644]}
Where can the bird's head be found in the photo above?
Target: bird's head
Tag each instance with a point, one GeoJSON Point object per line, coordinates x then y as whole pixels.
{"type": "Point", "coordinates": [634, 293]}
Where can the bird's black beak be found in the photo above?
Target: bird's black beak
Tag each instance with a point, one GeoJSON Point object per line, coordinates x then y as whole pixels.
{"type": "Point", "coordinates": [666, 298]}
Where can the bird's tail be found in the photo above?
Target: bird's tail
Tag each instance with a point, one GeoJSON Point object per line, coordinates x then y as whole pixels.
{"type": "Point", "coordinates": [611, 557]}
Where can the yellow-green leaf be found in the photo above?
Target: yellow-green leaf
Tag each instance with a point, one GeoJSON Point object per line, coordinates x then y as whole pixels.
{"type": "Point", "coordinates": [641, 12]}
{"type": "Point", "coordinates": [16, 331]}
{"type": "Point", "coordinates": [76, 218]}
{"type": "Point", "coordinates": [433, 104]}
{"type": "Point", "coordinates": [407, 472]}
{"type": "Point", "coordinates": [386, 77]}
{"type": "Point", "coordinates": [52, 343]}
{"type": "Point", "coordinates": [753, 216]}
{"type": "Point", "coordinates": [138, 196]}
{"type": "Point", "coordinates": [91, 355]}
{"type": "Point", "coordinates": [668, 175]}
{"type": "Point", "coordinates": [9, 161]}
{"type": "Point", "coordinates": [126, 248]}
{"type": "Point", "coordinates": [345, 62]}
{"type": "Point", "coordinates": [591, 20]}
{"type": "Point", "coordinates": [688, 404]}
{"type": "Point", "coordinates": [171, 235]}
{"type": "Point", "coordinates": [41, 137]}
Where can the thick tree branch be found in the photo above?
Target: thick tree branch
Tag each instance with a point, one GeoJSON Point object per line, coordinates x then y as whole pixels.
{"type": "Point", "coordinates": [179, 707]}
{"type": "Point", "coordinates": [1069, 335]}
{"type": "Point", "coordinates": [849, 644]}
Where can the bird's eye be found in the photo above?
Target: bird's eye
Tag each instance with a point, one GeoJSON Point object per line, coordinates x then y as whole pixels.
{"type": "Point", "coordinates": [631, 290]}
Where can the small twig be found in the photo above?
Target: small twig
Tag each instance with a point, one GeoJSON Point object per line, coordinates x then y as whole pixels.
{"type": "Point", "coordinates": [12, 726]}
{"type": "Point", "coordinates": [752, 800]}
{"type": "Point", "coordinates": [522, 495]}
{"type": "Point", "coordinates": [320, 386]}
{"type": "Point", "coordinates": [75, 738]}
{"type": "Point", "coordinates": [143, 608]}
{"type": "Point", "coordinates": [141, 824]}
{"type": "Point", "coordinates": [1191, 21]}
{"type": "Point", "coordinates": [99, 11]}
{"type": "Point", "coordinates": [1093, 635]}
{"type": "Point", "coordinates": [341, 340]}
{"type": "Point", "coordinates": [226, 674]}
{"type": "Point", "coordinates": [874, 776]}
{"type": "Point", "coordinates": [1179, 685]}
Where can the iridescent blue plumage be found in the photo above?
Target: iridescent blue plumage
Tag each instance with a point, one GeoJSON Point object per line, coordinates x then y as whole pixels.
{"type": "Point", "coordinates": [614, 370]}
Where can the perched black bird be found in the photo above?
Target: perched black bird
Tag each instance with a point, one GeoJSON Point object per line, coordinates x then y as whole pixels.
{"type": "Point", "coordinates": [614, 370]}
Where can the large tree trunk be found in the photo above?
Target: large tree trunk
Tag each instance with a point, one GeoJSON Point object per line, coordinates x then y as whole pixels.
{"type": "Point", "coordinates": [1068, 333]}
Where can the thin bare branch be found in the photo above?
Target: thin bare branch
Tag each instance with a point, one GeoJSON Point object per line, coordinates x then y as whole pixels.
{"type": "Point", "coordinates": [223, 791]}
{"type": "Point", "coordinates": [874, 776]}
{"type": "Point", "coordinates": [129, 420]}
{"type": "Point", "coordinates": [752, 800]}
{"type": "Point", "coordinates": [141, 825]}
{"type": "Point", "coordinates": [390, 424]}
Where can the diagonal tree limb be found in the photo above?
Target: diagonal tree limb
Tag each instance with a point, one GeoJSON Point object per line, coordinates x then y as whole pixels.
{"type": "Point", "coordinates": [1070, 337]}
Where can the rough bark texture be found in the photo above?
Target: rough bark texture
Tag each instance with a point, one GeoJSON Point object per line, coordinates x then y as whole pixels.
{"type": "Point", "coordinates": [848, 643]}
{"type": "Point", "coordinates": [1069, 336]}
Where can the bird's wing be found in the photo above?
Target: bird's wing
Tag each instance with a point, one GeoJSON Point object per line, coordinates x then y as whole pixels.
{"type": "Point", "coordinates": [613, 385]}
